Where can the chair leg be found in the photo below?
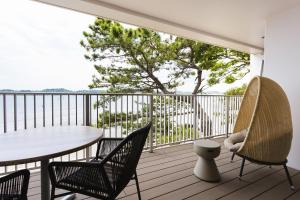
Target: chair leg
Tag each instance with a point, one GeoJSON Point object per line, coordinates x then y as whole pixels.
{"type": "Point", "coordinates": [289, 177]}
{"type": "Point", "coordinates": [232, 157]}
{"type": "Point", "coordinates": [52, 193]}
{"type": "Point", "coordinates": [137, 185]}
{"type": "Point", "coordinates": [242, 168]}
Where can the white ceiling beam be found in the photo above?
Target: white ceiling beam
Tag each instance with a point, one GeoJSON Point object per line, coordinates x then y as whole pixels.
{"type": "Point", "coordinates": [134, 17]}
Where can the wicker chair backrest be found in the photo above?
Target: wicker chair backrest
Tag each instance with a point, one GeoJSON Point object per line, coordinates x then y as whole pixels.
{"type": "Point", "coordinates": [15, 185]}
{"type": "Point", "coordinates": [265, 111]}
{"type": "Point", "coordinates": [124, 158]}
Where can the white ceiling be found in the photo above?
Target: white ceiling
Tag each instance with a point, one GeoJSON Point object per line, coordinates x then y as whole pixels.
{"type": "Point", "coordinates": [237, 24]}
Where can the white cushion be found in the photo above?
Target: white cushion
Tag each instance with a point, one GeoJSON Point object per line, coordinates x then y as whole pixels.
{"type": "Point", "coordinates": [235, 141]}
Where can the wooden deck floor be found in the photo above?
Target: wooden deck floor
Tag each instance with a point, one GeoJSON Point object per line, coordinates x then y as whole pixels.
{"type": "Point", "coordinates": [168, 174]}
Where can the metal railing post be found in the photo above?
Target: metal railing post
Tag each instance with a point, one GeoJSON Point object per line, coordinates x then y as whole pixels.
{"type": "Point", "coordinates": [15, 113]}
{"type": "Point", "coordinates": [195, 125]}
{"type": "Point", "coordinates": [151, 119]}
{"type": "Point", "coordinates": [87, 122]}
{"type": "Point", "coordinates": [4, 114]}
{"type": "Point", "coordinates": [227, 115]}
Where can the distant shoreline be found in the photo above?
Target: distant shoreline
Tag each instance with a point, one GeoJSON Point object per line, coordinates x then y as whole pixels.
{"type": "Point", "coordinates": [52, 90]}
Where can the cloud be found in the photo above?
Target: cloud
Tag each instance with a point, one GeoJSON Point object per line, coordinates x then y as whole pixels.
{"type": "Point", "coordinates": [40, 47]}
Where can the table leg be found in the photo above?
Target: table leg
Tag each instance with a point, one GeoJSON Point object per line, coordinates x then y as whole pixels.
{"type": "Point", "coordinates": [45, 181]}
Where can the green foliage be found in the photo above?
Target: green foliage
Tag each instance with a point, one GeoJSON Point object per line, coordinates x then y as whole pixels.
{"type": "Point", "coordinates": [105, 118]}
{"type": "Point", "coordinates": [164, 116]}
{"type": "Point", "coordinates": [130, 59]}
{"type": "Point", "coordinates": [183, 132]}
{"type": "Point", "coordinates": [237, 90]}
{"type": "Point", "coordinates": [162, 129]}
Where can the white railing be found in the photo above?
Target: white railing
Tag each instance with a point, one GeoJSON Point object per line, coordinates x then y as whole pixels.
{"type": "Point", "coordinates": [176, 118]}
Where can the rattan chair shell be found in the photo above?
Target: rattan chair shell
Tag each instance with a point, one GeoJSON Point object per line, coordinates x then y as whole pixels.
{"type": "Point", "coordinates": [265, 111]}
{"type": "Point", "coordinates": [15, 185]}
{"type": "Point", "coordinates": [266, 115]}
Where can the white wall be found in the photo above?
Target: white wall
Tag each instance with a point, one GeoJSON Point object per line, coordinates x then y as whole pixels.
{"type": "Point", "coordinates": [255, 65]}
{"type": "Point", "coordinates": [282, 64]}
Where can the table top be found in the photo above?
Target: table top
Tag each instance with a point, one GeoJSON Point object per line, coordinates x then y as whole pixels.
{"type": "Point", "coordinates": [38, 144]}
{"type": "Point", "coordinates": [206, 143]}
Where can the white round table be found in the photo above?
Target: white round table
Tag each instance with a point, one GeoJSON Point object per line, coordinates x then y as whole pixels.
{"type": "Point", "coordinates": [41, 144]}
{"type": "Point", "coordinates": [206, 168]}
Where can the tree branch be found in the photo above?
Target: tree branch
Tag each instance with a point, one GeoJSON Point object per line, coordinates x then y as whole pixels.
{"type": "Point", "coordinates": [199, 81]}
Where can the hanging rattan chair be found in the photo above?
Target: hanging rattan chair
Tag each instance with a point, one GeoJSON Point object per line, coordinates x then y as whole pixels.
{"type": "Point", "coordinates": [265, 115]}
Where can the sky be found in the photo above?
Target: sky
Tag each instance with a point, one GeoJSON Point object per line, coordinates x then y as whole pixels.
{"type": "Point", "coordinates": [39, 48]}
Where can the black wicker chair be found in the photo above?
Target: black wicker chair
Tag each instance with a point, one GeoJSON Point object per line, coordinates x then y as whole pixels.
{"type": "Point", "coordinates": [14, 186]}
{"type": "Point", "coordinates": [105, 176]}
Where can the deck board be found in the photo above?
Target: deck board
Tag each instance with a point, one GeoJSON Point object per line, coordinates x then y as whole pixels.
{"type": "Point", "coordinates": [168, 174]}
{"type": "Point", "coordinates": [295, 196]}
{"type": "Point", "coordinates": [279, 190]}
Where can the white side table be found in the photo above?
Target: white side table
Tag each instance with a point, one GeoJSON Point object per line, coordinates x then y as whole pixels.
{"type": "Point", "coordinates": [206, 168]}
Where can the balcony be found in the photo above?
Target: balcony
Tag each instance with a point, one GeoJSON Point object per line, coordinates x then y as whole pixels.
{"type": "Point", "coordinates": [167, 173]}
{"type": "Point", "coordinates": [178, 119]}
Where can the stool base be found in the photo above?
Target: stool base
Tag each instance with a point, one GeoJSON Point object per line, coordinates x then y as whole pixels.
{"type": "Point", "coordinates": [206, 169]}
